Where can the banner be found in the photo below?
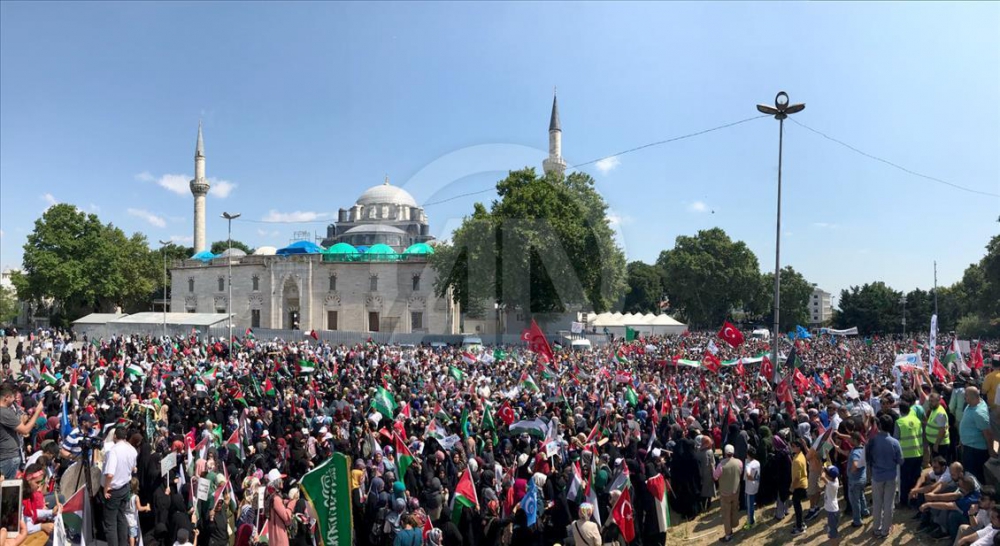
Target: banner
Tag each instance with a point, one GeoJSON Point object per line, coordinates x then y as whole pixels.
{"type": "Point", "coordinates": [932, 342]}
{"type": "Point", "coordinates": [908, 361]}
{"type": "Point", "coordinates": [328, 490]}
{"type": "Point", "coordinates": [576, 327]}
{"type": "Point", "coordinates": [848, 332]}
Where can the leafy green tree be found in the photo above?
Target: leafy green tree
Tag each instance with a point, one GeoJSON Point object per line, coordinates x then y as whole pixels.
{"type": "Point", "coordinates": [795, 294]}
{"type": "Point", "coordinates": [544, 245]}
{"type": "Point", "coordinates": [710, 275]}
{"type": "Point", "coordinates": [219, 247]}
{"type": "Point", "coordinates": [919, 308]}
{"type": "Point", "coordinates": [645, 288]}
{"type": "Point", "coordinates": [874, 308]}
{"type": "Point", "coordinates": [84, 265]}
{"type": "Point", "coordinates": [8, 305]}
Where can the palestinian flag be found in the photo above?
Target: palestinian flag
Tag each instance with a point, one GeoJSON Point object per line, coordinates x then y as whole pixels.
{"type": "Point", "coordinates": [465, 495]}
{"type": "Point", "coordinates": [620, 357]}
{"type": "Point", "coordinates": [135, 370]}
{"type": "Point", "coordinates": [262, 538]}
{"type": "Point", "coordinates": [199, 385]}
{"type": "Point", "coordinates": [234, 445]}
{"type": "Point", "coordinates": [237, 394]}
{"type": "Point", "coordinates": [403, 456]}
{"type": "Point", "coordinates": [50, 378]}
{"type": "Point", "coordinates": [306, 367]}
{"type": "Point", "coordinates": [384, 402]}
{"type": "Point", "coordinates": [528, 383]}
{"type": "Point", "coordinates": [211, 373]}
{"type": "Point", "coordinates": [631, 396]}
{"type": "Point", "coordinates": [657, 487]}
{"type": "Point", "coordinates": [249, 334]}
{"type": "Point", "coordinates": [99, 382]}
{"type": "Point", "coordinates": [269, 388]}
{"type": "Point", "coordinates": [577, 488]}
{"type": "Point", "coordinates": [458, 374]}
{"type": "Point", "coordinates": [76, 518]}
{"type": "Point", "coordinates": [954, 356]}
{"type": "Point", "coordinates": [534, 427]}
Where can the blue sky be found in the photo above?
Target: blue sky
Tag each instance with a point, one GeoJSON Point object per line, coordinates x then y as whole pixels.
{"type": "Point", "coordinates": [305, 105]}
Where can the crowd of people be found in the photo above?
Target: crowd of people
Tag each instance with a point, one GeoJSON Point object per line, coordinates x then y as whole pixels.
{"type": "Point", "coordinates": [472, 445]}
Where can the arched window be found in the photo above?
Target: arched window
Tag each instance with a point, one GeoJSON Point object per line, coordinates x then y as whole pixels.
{"type": "Point", "coordinates": [256, 282]}
{"type": "Point", "coordinates": [333, 283]}
{"type": "Point", "coordinates": [416, 283]}
{"type": "Point", "coordinates": [222, 284]}
{"type": "Point", "coordinates": [190, 285]}
{"type": "Point", "coordinates": [373, 283]}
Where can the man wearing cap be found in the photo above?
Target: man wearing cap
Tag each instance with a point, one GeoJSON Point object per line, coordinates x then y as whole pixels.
{"type": "Point", "coordinates": [71, 448]}
{"type": "Point", "coordinates": [728, 473]}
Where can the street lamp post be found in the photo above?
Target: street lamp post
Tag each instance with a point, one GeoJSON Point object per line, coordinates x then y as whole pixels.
{"type": "Point", "coordinates": [902, 302]}
{"type": "Point", "coordinates": [163, 250]}
{"type": "Point", "coordinates": [781, 110]}
{"type": "Point", "coordinates": [229, 305]}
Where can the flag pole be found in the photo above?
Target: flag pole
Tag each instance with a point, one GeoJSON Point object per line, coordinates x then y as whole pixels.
{"type": "Point", "coordinates": [935, 288]}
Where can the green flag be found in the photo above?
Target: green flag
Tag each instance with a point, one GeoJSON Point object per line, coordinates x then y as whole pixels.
{"type": "Point", "coordinates": [384, 402]}
{"type": "Point", "coordinates": [328, 490]}
{"type": "Point", "coordinates": [217, 434]}
{"type": "Point", "coordinates": [630, 334]}
{"type": "Point", "coordinates": [630, 396]}
{"type": "Point", "coordinates": [498, 354]}
{"type": "Point", "coordinates": [456, 373]}
{"type": "Point", "coordinates": [488, 423]}
{"type": "Point", "coordinates": [465, 422]}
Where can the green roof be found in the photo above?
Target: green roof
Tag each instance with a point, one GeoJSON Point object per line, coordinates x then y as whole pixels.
{"type": "Point", "coordinates": [341, 248]}
{"type": "Point", "coordinates": [419, 248]}
{"type": "Point", "coordinates": [380, 249]}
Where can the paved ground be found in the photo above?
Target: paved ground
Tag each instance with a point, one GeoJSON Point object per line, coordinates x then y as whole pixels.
{"type": "Point", "coordinates": [707, 529]}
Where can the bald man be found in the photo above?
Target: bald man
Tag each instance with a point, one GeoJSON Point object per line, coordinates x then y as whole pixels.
{"type": "Point", "coordinates": [975, 433]}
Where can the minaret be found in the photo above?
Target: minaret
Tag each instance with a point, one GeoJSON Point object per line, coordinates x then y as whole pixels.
{"type": "Point", "coordinates": [555, 162]}
{"type": "Point", "coordinates": [199, 188]}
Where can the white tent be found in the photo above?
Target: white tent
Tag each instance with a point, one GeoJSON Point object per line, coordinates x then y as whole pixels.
{"type": "Point", "coordinates": [644, 324]}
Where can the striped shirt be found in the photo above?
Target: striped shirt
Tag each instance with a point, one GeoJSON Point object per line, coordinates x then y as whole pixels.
{"type": "Point", "coordinates": [71, 442]}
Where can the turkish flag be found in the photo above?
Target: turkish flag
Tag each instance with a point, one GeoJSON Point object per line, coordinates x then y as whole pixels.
{"type": "Point", "coordinates": [767, 369]}
{"type": "Point", "coordinates": [938, 371]}
{"type": "Point", "coordinates": [782, 392]}
{"type": "Point", "coordinates": [537, 343]}
{"type": "Point", "coordinates": [712, 362]}
{"type": "Point", "coordinates": [976, 358]}
{"type": "Point", "coordinates": [731, 335]}
{"type": "Point", "coordinates": [506, 413]}
{"type": "Point", "coordinates": [624, 515]}
{"type": "Point", "coordinates": [739, 368]}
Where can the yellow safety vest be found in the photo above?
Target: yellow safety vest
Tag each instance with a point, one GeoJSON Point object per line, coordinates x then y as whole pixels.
{"type": "Point", "coordinates": [931, 430]}
{"type": "Point", "coordinates": [909, 436]}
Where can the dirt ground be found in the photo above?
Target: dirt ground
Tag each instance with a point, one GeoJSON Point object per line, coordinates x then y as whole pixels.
{"type": "Point", "coordinates": [707, 529]}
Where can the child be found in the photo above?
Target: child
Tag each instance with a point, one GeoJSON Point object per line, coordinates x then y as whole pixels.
{"type": "Point", "coordinates": [182, 538]}
{"type": "Point", "coordinates": [830, 483]}
{"type": "Point", "coordinates": [752, 479]}
{"type": "Point", "coordinates": [132, 510]}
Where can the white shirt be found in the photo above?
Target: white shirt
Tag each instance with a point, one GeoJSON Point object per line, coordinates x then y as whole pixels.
{"type": "Point", "coordinates": [752, 475]}
{"type": "Point", "coordinates": [119, 464]}
{"type": "Point", "coordinates": [830, 503]}
{"type": "Point", "coordinates": [985, 536]}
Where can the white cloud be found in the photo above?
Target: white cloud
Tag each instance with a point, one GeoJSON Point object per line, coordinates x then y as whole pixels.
{"type": "Point", "coordinates": [147, 216]}
{"type": "Point", "coordinates": [266, 233]}
{"type": "Point", "coordinates": [825, 225]}
{"type": "Point", "coordinates": [182, 239]}
{"type": "Point", "coordinates": [615, 219]}
{"type": "Point", "coordinates": [607, 164]}
{"type": "Point", "coordinates": [95, 208]}
{"type": "Point", "coordinates": [49, 199]}
{"type": "Point", "coordinates": [145, 176]}
{"type": "Point", "coordinates": [220, 188]}
{"type": "Point", "coordinates": [297, 216]}
{"type": "Point", "coordinates": [698, 206]}
{"type": "Point", "coordinates": [177, 183]}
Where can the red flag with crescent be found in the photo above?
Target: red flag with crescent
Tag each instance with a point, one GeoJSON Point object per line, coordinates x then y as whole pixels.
{"type": "Point", "coordinates": [624, 515]}
{"type": "Point", "coordinates": [537, 342]}
{"type": "Point", "coordinates": [731, 335]}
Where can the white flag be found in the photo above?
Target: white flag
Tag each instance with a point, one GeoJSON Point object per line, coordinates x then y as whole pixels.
{"type": "Point", "coordinates": [712, 348]}
{"type": "Point", "coordinates": [933, 342]}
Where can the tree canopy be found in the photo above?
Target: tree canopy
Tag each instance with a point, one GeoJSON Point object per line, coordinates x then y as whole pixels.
{"type": "Point", "coordinates": [84, 265]}
{"type": "Point", "coordinates": [219, 247]}
{"type": "Point", "coordinates": [795, 294]}
{"type": "Point", "coordinates": [645, 288]}
{"type": "Point", "coordinates": [543, 246]}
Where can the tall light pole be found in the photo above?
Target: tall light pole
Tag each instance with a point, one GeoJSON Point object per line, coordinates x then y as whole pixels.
{"type": "Point", "coordinates": [229, 306]}
{"type": "Point", "coordinates": [781, 110]}
{"type": "Point", "coordinates": [902, 301]}
{"type": "Point", "coordinates": [163, 250]}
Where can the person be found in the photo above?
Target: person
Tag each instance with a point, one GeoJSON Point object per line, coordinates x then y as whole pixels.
{"type": "Point", "coordinates": [134, 506]}
{"type": "Point", "coordinates": [884, 456]}
{"type": "Point", "coordinates": [981, 519]}
{"type": "Point", "coordinates": [411, 534]}
{"type": "Point", "coordinates": [975, 434]}
{"type": "Point", "coordinates": [830, 483]}
{"type": "Point", "coordinates": [36, 512]}
{"type": "Point", "coordinates": [71, 447]}
{"type": "Point", "coordinates": [985, 536]}
{"type": "Point", "coordinates": [706, 463]}
{"type": "Point", "coordinates": [6, 539]}
{"type": "Point", "coordinates": [728, 473]}
{"type": "Point", "coordinates": [936, 431]}
{"type": "Point", "coordinates": [182, 538]}
{"type": "Point", "coordinates": [908, 433]}
{"type": "Point", "coordinates": [957, 510]}
{"type": "Point", "coordinates": [584, 530]}
{"type": "Point", "coordinates": [800, 483]}
{"type": "Point", "coordinates": [751, 477]}
{"type": "Point", "coordinates": [931, 480]}
{"type": "Point", "coordinates": [118, 466]}
{"type": "Point", "coordinates": [857, 479]}
{"type": "Point", "coordinates": [279, 515]}
{"type": "Point", "coordinates": [13, 427]}
{"type": "Point", "coordinates": [991, 394]}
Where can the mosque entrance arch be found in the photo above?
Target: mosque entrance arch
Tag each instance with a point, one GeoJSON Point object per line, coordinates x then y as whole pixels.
{"type": "Point", "coordinates": [290, 304]}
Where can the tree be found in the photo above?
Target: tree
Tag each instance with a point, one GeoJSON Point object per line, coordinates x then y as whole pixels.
{"type": "Point", "coordinates": [710, 275]}
{"type": "Point", "coordinates": [8, 305]}
{"type": "Point", "coordinates": [645, 288]}
{"type": "Point", "coordinates": [543, 246]}
{"type": "Point", "coordinates": [83, 265]}
{"type": "Point", "coordinates": [919, 308]}
{"type": "Point", "coordinates": [874, 308]}
{"type": "Point", "coordinates": [795, 294]}
{"type": "Point", "coordinates": [219, 247]}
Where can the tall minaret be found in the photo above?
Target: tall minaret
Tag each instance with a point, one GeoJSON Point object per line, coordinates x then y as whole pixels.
{"type": "Point", "coordinates": [199, 188]}
{"type": "Point", "coordinates": [555, 162]}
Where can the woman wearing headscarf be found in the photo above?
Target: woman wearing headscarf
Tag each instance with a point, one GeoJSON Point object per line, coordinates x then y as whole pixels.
{"type": "Point", "coordinates": [685, 478]}
{"type": "Point", "coordinates": [780, 474]}
{"type": "Point", "coordinates": [278, 514]}
{"type": "Point", "coordinates": [706, 462]}
{"type": "Point", "coordinates": [584, 531]}
{"type": "Point", "coordinates": [432, 499]}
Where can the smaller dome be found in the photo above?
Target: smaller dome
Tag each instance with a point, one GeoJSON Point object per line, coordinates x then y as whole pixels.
{"type": "Point", "coordinates": [418, 249]}
{"type": "Point", "coordinates": [300, 247]}
{"type": "Point", "coordinates": [204, 256]}
{"type": "Point", "coordinates": [265, 251]}
{"type": "Point", "coordinates": [234, 252]}
{"type": "Point", "coordinates": [380, 249]}
{"type": "Point", "coordinates": [341, 248]}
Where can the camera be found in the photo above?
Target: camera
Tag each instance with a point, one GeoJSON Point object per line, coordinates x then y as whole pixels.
{"type": "Point", "coordinates": [88, 442]}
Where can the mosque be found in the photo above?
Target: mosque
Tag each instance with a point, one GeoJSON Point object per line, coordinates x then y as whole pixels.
{"type": "Point", "coordinates": [369, 274]}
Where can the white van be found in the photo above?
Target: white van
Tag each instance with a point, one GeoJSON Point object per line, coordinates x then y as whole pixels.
{"type": "Point", "coordinates": [761, 333]}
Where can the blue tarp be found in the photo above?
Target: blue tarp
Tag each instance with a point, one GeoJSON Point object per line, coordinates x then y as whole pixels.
{"type": "Point", "coordinates": [300, 247]}
{"type": "Point", "coordinates": [204, 256]}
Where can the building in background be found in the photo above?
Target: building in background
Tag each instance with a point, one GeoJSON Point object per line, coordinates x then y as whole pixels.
{"type": "Point", "coordinates": [820, 309]}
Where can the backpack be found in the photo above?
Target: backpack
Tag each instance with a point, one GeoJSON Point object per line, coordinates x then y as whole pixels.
{"type": "Point", "coordinates": [377, 533]}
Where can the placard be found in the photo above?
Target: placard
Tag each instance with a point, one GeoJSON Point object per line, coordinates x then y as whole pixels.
{"type": "Point", "coordinates": [203, 486]}
{"type": "Point", "coordinates": [168, 463]}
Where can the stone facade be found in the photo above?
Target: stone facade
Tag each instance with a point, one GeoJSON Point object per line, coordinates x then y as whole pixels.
{"type": "Point", "coordinates": [307, 293]}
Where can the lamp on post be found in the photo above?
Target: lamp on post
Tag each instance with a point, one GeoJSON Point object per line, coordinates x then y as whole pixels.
{"type": "Point", "coordinates": [163, 250]}
{"type": "Point", "coordinates": [781, 110]}
{"type": "Point", "coordinates": [229, 258]}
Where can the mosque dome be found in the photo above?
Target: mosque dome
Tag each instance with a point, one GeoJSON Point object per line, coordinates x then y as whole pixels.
{"type": "Point", "coordinates": [386, 194]}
